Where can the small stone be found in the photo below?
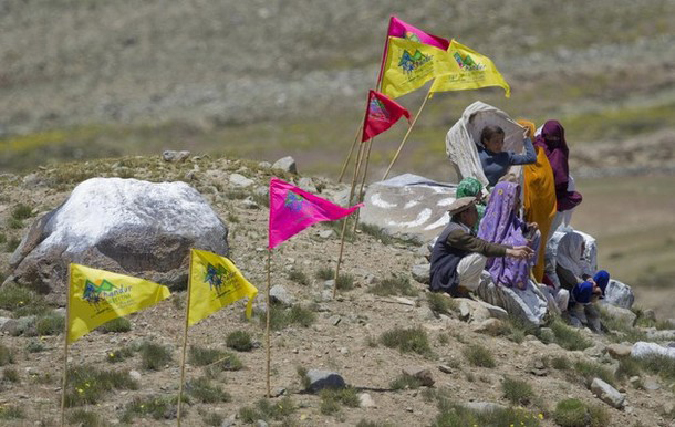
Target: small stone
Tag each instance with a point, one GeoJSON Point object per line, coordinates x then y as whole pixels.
{"type": "Point", "coordinates": [324, 379]}
{"type": "Point", "coordinates": [366, 401]}
{"type": "Point", "coordinates": [464, 311]}
{"type": "Point", "coordinates": [445, 369]}
{"type": "Point", "coordinates": [286, 164]}
{"type": "Point", "coordinates": [409, 410]}
{"type": "Point", "coordinates": [607, 393]}
{"type": "Point", "coordinates": [279, 391]}
{"type": "Point", "coordinates": [240, 180]}
{"type": "Point", "coordinates": [492, 327]}
{"type": "Point", "coordinates": [261, 423]}
{"type": "Point", "coordinates": [135, 375]}
{"type": "Point", "coordinates": [326, 234]}
{"type": "Point", "coordinates": [651, 385]}
{"type": "Point", "coordinates": [619, 350]}
{"type": "Point", "coordinates": [420, 272]}
{"type": "Point", "coordinates": [280, 295]}
{"type": "Point", "coordinates": [307, 184]}
{"type": "Point", "coordinates": [335, 319]}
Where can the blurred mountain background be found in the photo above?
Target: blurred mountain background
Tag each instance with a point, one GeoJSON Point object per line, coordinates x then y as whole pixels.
{"type": "Point", "coordinates": [84, 79]}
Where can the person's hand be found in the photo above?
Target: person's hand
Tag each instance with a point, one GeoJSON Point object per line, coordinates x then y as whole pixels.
{"type": "Point", "coordinates": [526, 132]}
{"type": "Point", "coordinates": [520, 252]}
{"type": "Point", "coordinates": [534, 226]}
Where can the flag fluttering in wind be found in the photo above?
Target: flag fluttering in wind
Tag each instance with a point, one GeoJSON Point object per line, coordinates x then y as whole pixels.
{"type": "Point", "coordinates": [402, 30]}
{"type": "Point", "coordinates": [99, 296]}
{"type": "Point", "coordinates": [409, 65]}
{"type": "Point", "coordinates": [475, 71]}
{"type": "Point", "coordinates": [215, 282]}
{"type": "Point", "coordinates": [381, 114]}
{"type": "Point", "coordinates": [293, 209]}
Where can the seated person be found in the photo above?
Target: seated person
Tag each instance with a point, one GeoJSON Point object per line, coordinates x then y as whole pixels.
{"type": "Point", "coordinates": [496, 162]}
{"type": "Point", "coordinates": [459, 257]}
{"type": "Point", "coordinates": [502, 225]}
{"type": "Point", "coordinates": [579, 301]}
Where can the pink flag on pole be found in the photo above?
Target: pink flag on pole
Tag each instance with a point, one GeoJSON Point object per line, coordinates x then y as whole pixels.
{"type": "Point", "coordinates": [381, 114]}
{"type": "Point", "coordinates": [403, 30]}
{"type": "Point", "coordinates": [293, 209]}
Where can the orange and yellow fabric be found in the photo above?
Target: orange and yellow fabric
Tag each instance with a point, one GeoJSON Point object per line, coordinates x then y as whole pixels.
{"type": "Point", "coordinates": [539, 201]}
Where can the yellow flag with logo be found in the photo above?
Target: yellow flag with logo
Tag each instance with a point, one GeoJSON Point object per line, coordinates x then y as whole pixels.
{"type": "Point", "coordinates": [474, 71]}
{"type": "Point", "coordinates": [99, 296]}
{"type": "Point", "coordinates": [214, 283]}
{"type": "Point", "coordinates": [409, 65]}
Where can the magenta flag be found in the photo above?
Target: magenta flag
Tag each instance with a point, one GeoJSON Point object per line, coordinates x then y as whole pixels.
{"type": "Point", "coordinates": [381, 114]}
{"type": "Point", "coordinates": [292, 209]}
{"type": "Point", "coordinates": [403, 30]}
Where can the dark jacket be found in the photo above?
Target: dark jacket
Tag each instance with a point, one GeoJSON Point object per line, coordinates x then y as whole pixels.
{"type": "Point", "coordinates": [453, 244]}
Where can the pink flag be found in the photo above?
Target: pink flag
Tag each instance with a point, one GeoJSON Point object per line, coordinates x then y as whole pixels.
{"type": "Point", "coordinates": [403, 30]}
{"type": "Point", "coordinates": [293, 209]}
{"type": "Point", "coordinates": [381, 114]}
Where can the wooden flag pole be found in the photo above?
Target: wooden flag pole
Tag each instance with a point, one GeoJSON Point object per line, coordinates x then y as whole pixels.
{"type": "Point", "coordinates": [351, 151]}
{"type": "Point", "coordinates": [269, 308]}
{"type": "Point", "coordinates": [357, 167]}
{"type": "Point", "coordinates": [405, 138]}
{"type": "Point", "coordinates": [359, 199]}
{"type": "Point", "coordinates": [185, 338]}
{"type": "Point", "coordinates": [65, 350]}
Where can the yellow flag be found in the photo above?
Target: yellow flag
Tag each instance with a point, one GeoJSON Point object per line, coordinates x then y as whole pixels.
{"type": "Point", "coordinates": [214, 283]}
{"type": "Point", "coordinates": [474, 71]}
{"type": "Point", "coordinates": [99, 296]}
{"type": "Point", "coordinates": [409, 65]}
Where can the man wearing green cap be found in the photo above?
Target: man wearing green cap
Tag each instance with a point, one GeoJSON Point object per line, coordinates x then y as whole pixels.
{"type": "Point", "coordinates": [459, 256]}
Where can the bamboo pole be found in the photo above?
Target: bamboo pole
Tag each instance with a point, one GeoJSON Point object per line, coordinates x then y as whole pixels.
{"type": "Point", "coordinates": [269, 308]}
{"type": "Point", "coordinates": [65, 350]}
{"type": "Point", "coordinates": [185, 338]}
{"type": "Point", "coordinates": [359, 199]}
{"type": "Point", "coordinates": [351, 150]}
{"type": "Point", "coordinates": [405, 138]}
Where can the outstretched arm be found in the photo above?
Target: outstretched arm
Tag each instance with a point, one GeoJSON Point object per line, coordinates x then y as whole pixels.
{"type": "Point", "coordinates": [529, 157]}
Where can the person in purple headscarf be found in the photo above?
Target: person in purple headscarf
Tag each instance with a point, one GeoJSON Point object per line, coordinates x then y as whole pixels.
{"type": "Point", "coordinates": [501, 225]}
{"type": "Point", "coordinates": [552, 140]}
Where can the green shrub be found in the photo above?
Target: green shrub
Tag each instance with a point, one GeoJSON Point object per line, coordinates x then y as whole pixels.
{"type": "Point", "coordinates": [453, 415]}
{"type": "Point", "coordinates": [477, 355]}
{"type": "Point", "coordinates": [575, 413]}
{"type": "Point", "coordinates": [119, 355]}
{"type": "Point", "coordinates": [560, 362]}
{"type": "Point", "coordinates": [81, 417]}
{"type": "Point", "coordinates": [345, 282]}
{"type": "Point", "coordinates": [304, 378]}
{"type": "Point", "coordinates": [405, 381]}
{"type": "Point", "coordinates": [365, 423]}
{"type": "Point", "coordinates": [412, 340]}
{"type": "Point", "coordinates": [50, 324]}
{"type": "Point", "coordinates": [658, 364]}
{"type": "Point", "coordinates": [569, 338]}
{"type": "Point", "coordinates": [10, 375]}
{"type": "Point", "coordinates": [119, 324]}
{"type": "Point", "coordinates": [12, 244]}
{"type": "Point", "coordinates": [86, 385]}
{"type": "Point", "coordinates": [202, 390]}
{"type": "Point", "coordinates": [240, 341]}
{"type": "Point", "coordinates": [517, 392]}
{"type": "Point", "coordinates": [628, 367]}
{"type": "Point", "coordinates": [154, 356]}
{"type": "Point", "coordinates": [212, 419]}
{"type": "Point", "coordinates": [325, 273]}
{"type": "Point", "coordinates": [22, 301]}
{"type": "Point", "coordinates": [6, 356]}
{"type": "Point", "coordinates": [22, 211]}
{"type": "Point", "coordinates": [266, 410]}
{"type": "Point", "coordinates": [158, 407]}
{"type": "Point", "coordinates": [590, 370]}
{"type": "Point", "coordinates": [15, 224]}
{"type": "Point", "coordinates": [333, 399]}
{"type": "Point", "coordinates": [35, 347]}
{"type": "Point", "coordinates": [200, 356]}
{"type": "Point", "coordinates": [281, 317]}
{"type": "Point", "coordinates": [10, 412]}
{"type": "Point", "coordinates": [441, 303]}
{"type": "Point", "coordinates": [298, 276]}
{"type": "Point", "coordinates": [394, 286]}
{"type": "Point", "coordinates": [3, 237]}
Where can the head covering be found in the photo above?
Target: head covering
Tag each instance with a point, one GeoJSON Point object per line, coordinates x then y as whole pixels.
{"type": "Point", "coordinates": [461, 204]}
{"type": "Point", "coordinates": [570, 254]}
{"type": "Point", "coordinates": [469, 187]}
{"type": "Point", "coordinates": [582, 293]}
{"type": "Point", "coordinates": [539, 200]}
{"type": "Point", "coordinates": [502, 225]}
{"type": "Point", "coordinates": [529, 125]}
{"type": "Point", "coordinates": [558, 154]}
{"type": "Point", "coordinates": [601, 278]}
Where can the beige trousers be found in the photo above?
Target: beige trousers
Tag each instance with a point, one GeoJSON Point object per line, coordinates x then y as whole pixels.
{"type": "Point", "coordinates": [469, 269]}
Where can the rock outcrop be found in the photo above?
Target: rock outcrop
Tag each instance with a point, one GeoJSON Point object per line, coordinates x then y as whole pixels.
{"type": "Point", "coordinates": [129, 226]}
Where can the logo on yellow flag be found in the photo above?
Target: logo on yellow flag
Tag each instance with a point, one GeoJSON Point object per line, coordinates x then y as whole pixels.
{"type": "Point", "coordinates": [98, 296]}
{"type": "Point", "coordinates": [215, 282]}
{"type": "Point", "coordinates": [409, 65]}
{"type": "Point", "coordinates": [475, 71]}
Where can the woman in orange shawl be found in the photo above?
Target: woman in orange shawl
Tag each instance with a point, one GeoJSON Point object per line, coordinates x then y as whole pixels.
{"type": "Point", "coordinates": [539, 201]}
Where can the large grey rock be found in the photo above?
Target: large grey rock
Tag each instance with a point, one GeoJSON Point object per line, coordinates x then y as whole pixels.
{"type": "Point", "coordinates": [623, 316]}
{"type": "Point", "coordinates": [240, 181]}
{"type": "Point", "coordinates": [280, 295]}
{"type": "Point", "coordinates": [129, 226]}
{"type": "Point", "coordinates": [408, 206]}
{"type": "Point", "coordinates": [661, 335]}
{"type": "Point", "coordinates": [619, 294]}
{"type": "Point", "coordinates": [286, 164]}
{"type": "Point", "coordinates": [420, 272]}
{"type": "Point", "coordinates": [529, 305]}
{"type": "Point", "coordinates": [643, 349]}
{"type": "Point", "coordinates": [318, 380]}
{"type": "Point", "coordinates": [607, 393]}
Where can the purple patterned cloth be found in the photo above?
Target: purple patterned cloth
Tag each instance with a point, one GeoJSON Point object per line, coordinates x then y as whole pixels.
{"type": "Point", "coordinates": [502, 225]}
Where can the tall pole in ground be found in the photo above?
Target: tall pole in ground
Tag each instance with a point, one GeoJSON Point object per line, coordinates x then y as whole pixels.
{"type": "Point", "coordinates": [66, 327]}
{"type": "Point", "coordinates": [185, 338]}
{"type": "Point", "coordinates": [359, 199]}
{"type": "Point", "coordinates": [269, 308]}
{"type": "Point", "coordinates": [351, 150]}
